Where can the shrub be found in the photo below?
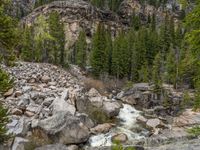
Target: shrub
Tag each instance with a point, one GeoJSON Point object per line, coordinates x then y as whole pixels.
{"type": "Point", "coordinates": [92, 83]}
{"type": "Point", "coordinates": [194, 131]}
{"type": "Point", "coordinates": [3, 122]}
{"type": "Point", "coordinates": [5, 81]}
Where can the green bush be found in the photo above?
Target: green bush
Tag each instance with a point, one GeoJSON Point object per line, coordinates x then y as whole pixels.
{"type": "Point", "coordinates": [3, 122]}
{"type": "Point", "coordinates": [194, 131]}
{"type": "Point", "coordinates": [5, 81]}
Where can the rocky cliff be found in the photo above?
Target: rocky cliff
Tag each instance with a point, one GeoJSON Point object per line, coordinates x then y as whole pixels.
{"type": "Point", "coordinates": [77, 15]}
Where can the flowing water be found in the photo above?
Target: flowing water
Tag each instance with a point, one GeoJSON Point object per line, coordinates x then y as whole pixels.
{"type": "Point", "coordinates": [127, 125]}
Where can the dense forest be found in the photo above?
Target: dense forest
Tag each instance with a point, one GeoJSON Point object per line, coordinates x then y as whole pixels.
{"type": "Point", "coordinates": [166, 52]}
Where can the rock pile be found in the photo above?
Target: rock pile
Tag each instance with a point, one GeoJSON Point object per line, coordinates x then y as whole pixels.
{"type": "Point", "coordinates": [45, 98]}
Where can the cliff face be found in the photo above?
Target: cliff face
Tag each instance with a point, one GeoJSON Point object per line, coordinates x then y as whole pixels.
{"type": "Point", "coordinates": [129, 7]}
{"type": "Point", "coordinates": [77, 15]}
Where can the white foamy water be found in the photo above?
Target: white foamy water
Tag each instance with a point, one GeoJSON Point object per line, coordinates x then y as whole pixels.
{"type": "Point", "coordinates": [127, 124]}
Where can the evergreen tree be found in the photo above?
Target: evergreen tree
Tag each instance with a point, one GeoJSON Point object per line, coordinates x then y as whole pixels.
{"type": "Point", "coordinates": [81, 48]}
{"type": "Point", "coordinates": [156, 72]}
{"type": "Point", "coordinates": [7, 42]}
{"type": "Point", "coordinates": [56, 31]}
{"type": "Point", "coordinates": [120, 61]}
{"type": "Point", "coordinates": [171, 67]}
{"type": "Point", "coordinates": [109, 51]}
{"type": "Point", "coordinates": [42, 39]}
{"type": "Point", "coordinates": [98, 54]}
{"type": "Point", "coordinates": [27, 44]}
{"type": "Point", "coordinates": [8, 33]}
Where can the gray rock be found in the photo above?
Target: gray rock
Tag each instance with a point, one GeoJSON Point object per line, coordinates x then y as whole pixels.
{"type": "Point", "coordinates": [45, 79]}
{"type": "Point", "coordinates": [93, 93]}
{"type": "Point", "coordinates": [19, 127]}
{"type": "Point", "coordinates": [67, 128]}
{"type": "Point", "coordinates": [141, 119]}
{"type": "Point", "coordinates": [60, 105]}
{"type": "Point", "coordinates": [48, 101]}
{"type": "Point", "coordinates": [153, 123]}
{"type": "Point", "coordinates": [26, 89]}
{"type": "Point", "coordinates": [102, 128]}
{"type": "Point", "coordinates": [19, 143]}
{"type": "Point", "coordinates": [86, 120]}
{"type": "Point", "coordinates": [111, 108]}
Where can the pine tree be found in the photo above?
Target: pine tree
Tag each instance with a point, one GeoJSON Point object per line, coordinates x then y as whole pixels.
{"type": "Point", "coordinates": [98, 54]}
{"type": "Point", "coordinates": [8, 33]}
{"type": "Point", "coordinates": [171, 67]}
{"type": "Point", "coordinates": [81, 48]}
{"type": "Point", "coordinates": [109, 51]}
{"type": "Point", "coordinates": [120, 61]}
{"type": "Point", "coordinates": [156, 72]}
{"type": "Point", "coordinates": [56, 31]}
{"type": "Point", "coordinates": [42, 39]}
{"type": "Point", "coordinates": [27, 44]}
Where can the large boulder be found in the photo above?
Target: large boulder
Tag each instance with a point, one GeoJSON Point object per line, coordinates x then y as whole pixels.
{"type": "Point", "coordinates": [111, 108]}
{"type": "Point", "coordinates": [64, 128]}
{"type": "Point", "coordinates": [60, 104]}
{"type": "Point", "coordinates": [99, 108]}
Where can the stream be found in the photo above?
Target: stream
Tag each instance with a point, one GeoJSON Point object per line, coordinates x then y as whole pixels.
{"type": "Point", "coordinates": [127, 124]}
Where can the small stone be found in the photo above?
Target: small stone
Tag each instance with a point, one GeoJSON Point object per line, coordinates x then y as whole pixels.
{"type": "Point", "coordinates": [32, 80]}
{"type": "Point", "coordinates": [45, 79]}
{"type": "Point", "coordinates": [18, 93]}
{"type": "Point", "coordinates": [16, 111]}
{"type": "Point", "coordinates": [141, 119]}
{"type": "Point", "coordinates": [9, 92]}
{"type": "Point", "coordinates": [122, 138]}
{"type": "Point", "coordinates": [153, 123]}
{"type": "Point", "coordinates": [29, 114]}
{"type": "Point", "coordinates": [102, 128]}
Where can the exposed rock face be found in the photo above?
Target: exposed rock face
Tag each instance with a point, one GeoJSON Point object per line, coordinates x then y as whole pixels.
{"type": "Point", "coordinates": [77, 15]}
{"type": "Point", "coordinates": [129, 7]}
{"type": "Point", "coordinates": [143, 95]}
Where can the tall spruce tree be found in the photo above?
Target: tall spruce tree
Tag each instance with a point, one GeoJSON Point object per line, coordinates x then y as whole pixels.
{"type": "Point", "coordinates": [42, 39]}
{"type": "Point", "coordinates": [98, 54]}
{"type": "Point", "coordinates": [156, 72]}
{"type": "Point", "coordinates": [81, 49]}
{"type": "Point", "coordinates": [56, 31]}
